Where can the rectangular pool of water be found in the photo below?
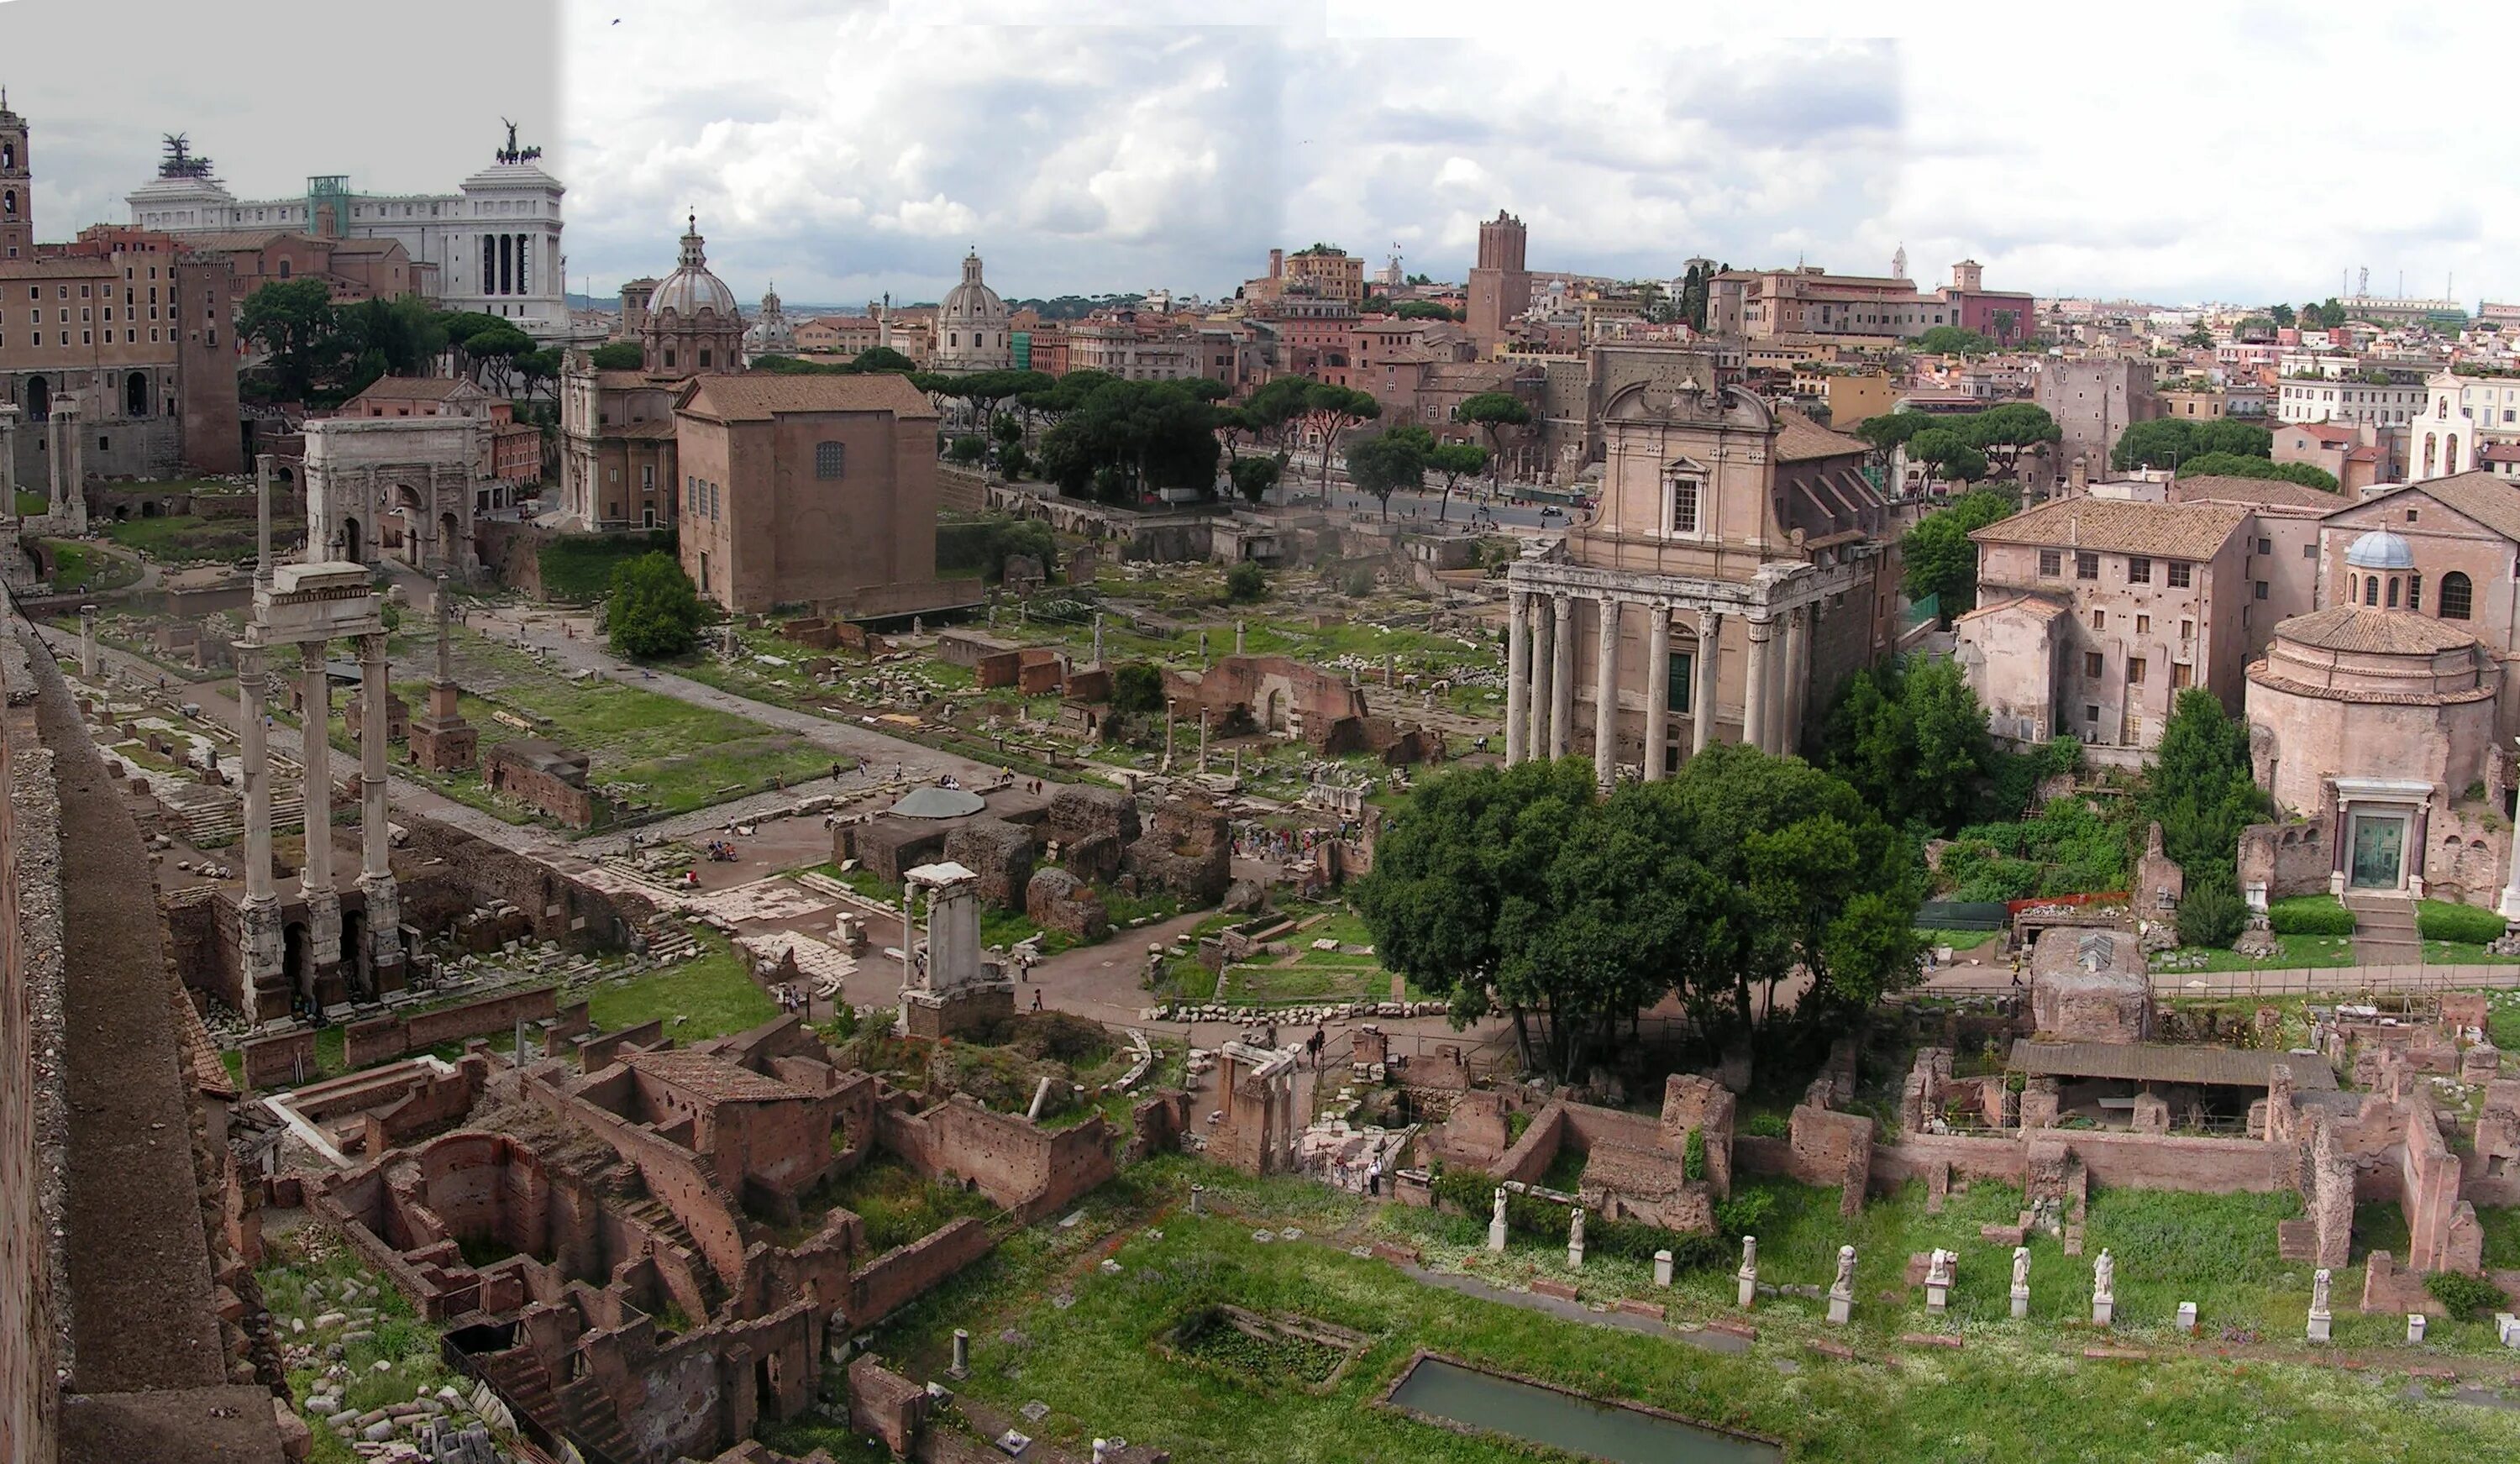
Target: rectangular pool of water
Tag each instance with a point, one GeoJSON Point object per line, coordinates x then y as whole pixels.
{"type": "Point", "coordinates": [1617, 1433]}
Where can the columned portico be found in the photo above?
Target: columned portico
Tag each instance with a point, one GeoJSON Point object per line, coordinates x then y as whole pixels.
{"type": "Point", "coordinates": [1561, 679]}
{"type": "Point", "coordinates": [2379, 836]}
{"type": "Point", "coordinates": [1657, 688]}
{"type": "Point", "coordinates": [1605, 696]}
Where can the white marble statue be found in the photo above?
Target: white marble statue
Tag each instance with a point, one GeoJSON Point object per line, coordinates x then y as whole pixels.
{"type": "Point", "coordinates": [2319, 1291]}
{"type": "Point", "coordinates": [1845, 1283]}
{"type": "Point", "coordinates": [2105, 1277]}
{"type": "Point", "coordinates": [1938, 1268]}
{"type": "Point", "coordinates": [1749, 1255]}
{"type": "Point", "coordinates": [2021, 1267]}
{"type": "Point", "coordinates": [1575, 1230]}
{"type": "Point", "coordinates": [1499, 1216]}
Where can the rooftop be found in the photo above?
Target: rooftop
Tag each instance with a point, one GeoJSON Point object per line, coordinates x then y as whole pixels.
{"type": "Point", "coordinates": [2360, 627]}
{"type": "Point", "coordinates": [2173, 531]}
{"type": "Point", "coordinates": [758, 397]}
{"type": "Point", "coordinates": [708, 1076]}
{"type": "Point", "coordinates": [2145, 1062]}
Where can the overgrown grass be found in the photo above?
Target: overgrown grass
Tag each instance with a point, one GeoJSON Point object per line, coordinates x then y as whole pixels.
{"type": "Point", "coordinates": [78, 567]}
{"type": "Point", "coordinates": [897, 1204]}
{"type": "Point", "coordinates": [1958, 940]}
{"type": "Point", "coordinates": [187, 537]}
{"type": "Point", "coordinates": [2011, 1396]}
{"type": "Point", "coordinates": [578, 567]}
{"type": "Point", "coordinates": [711, 994]}
{"type": "Point", "coordinates": [403, 1342]}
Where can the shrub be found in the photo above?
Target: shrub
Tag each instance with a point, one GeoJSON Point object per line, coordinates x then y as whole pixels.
{"type": "Point", "coordinates": [1744, 1214]}
{"type": "Point", "coordinates": [2212, 916]}
{"type": "Point", "coordinates": [968, 448]}
{"type": "Point", "coordinates": [2310, 914]}
{"type": "Point", "coordinates": [1245, 582]}
{"type": "Point", "coordinates": [655, 610]}
{"type": "Point", "coordinates": [2466, 924]}
{"type": "Point", "coordinates": [1767, 1126]}
{"type": "Point", "coordinates": [2464, 1296]}
{"type": "Point", "coordinates": [1693, 1155]}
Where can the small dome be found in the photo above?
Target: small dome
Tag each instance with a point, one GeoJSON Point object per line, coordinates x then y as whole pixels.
{"type": "Point", "coordinates": [2381, 550]}
{"type": "Point", "coordinates": [938, 803]}
{"type": "Point", "coordinates": [972, 299]}
{"type": "Point", "coordinates": [691, 288]}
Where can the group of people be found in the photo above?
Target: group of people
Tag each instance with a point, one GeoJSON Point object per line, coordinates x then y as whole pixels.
{"type": "Point", "coordinates": [794, 1000]}
{"type": "Point", "coordinates": [1285, 846]}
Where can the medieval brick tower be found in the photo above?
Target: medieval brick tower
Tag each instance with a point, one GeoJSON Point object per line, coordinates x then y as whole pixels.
{"type": "Point", "coordinates": [1500, 285]}
{"type": "Point", "coordinates": [17, 188]}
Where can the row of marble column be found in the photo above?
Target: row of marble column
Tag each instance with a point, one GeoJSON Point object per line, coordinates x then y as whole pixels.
{"type": "Point", "coordinates": [375, 845]}
{"type": "Point", "coordinates": [1540, 677]}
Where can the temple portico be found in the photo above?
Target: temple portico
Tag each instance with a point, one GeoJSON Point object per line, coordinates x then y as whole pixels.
{"type": "Point", "coordinates": [1732, 565]}
{"type": "Point", "coordinates": [316, 949]}
{"type": "Point", "coordinates": [1658, 647]}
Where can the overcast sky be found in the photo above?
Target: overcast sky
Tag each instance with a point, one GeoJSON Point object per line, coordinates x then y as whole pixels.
{"type": "Point", "coordinates": [2204, 149]}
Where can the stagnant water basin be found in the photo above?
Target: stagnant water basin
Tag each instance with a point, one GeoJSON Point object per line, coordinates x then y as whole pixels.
{"type": "Point", "coordinates": [1613, 1432]}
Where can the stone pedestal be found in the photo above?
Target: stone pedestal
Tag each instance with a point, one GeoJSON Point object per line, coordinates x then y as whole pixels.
{"type": "Point", "coordinates": [961, 1365]}
{"type": "Point", "coordinates": [1662, 1267]}
{"type": "Point", "coordinates": [265, 957]}
{"type": "Point", "coordinates": [2321, 1324]}
{"type": "Point", "coordinates": [2020, 1303]}
{"type": "Point", "coordinates": [1574, 1258]}
{"type": "Point", "coordinates": [2507, 1329]}
{"type": "Point", "coordinates": [2187, 1316]}
{"type": "Point", "coordinates": [2415, 1326]}
{"type": "Point", "coordinates": [1745, 1289]}
{"type": "Point", "coordinates": [2103, 1310]}
{"type": "Point", "coordinates": [1496, 1236]}
{"type": "Point", "coordinates": [1938, 1299]}
{"type": "Point", "coordinates": [1841, 1307]}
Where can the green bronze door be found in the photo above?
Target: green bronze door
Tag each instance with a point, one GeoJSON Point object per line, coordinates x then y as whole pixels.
{"type": "Point", "coordinates": [2377, 844]}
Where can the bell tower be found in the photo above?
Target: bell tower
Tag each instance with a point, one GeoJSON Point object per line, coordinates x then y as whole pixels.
{"type": "Point", "coordinates": [17, 186]}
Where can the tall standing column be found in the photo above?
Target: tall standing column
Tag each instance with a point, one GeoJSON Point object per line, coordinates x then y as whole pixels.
{"type": "Point", "coordinates": [250, 693]}
{"type": "Point", "coordinates": [2510, 907]}
{"type": "Point", "coordinates": [53, 465]}
{"type": "Point", "coordinates": [1561, 678]}
{"type": "Point", "coordinates": [1542, 648]}
{"type": "Point", "coordinates": [1756, 710]}
{"type": "Point", "coordinates": [375, 845]}
{"type": "Point", "coordinates": [1657, 688]}
{"type": "Point", "coordinates": [8, 463]}
{"type": "Point", "coordinates": [74, 468]}
{"type": "Point", "coordinates": [316, 780]}
{"type": "Point", "coordinates": [1605, 696]}
{"type": "Point", "coordinates": [1789, 726]}
{"type": "Point", "coordinates": [1706, 670]}
{"type": "Point", "coordinates": [1517, 677]}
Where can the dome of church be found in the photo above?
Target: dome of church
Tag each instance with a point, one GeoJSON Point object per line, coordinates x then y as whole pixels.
{"type": "Point", "coordinates": [691, 288]}
{"type": "Point", "coordinates": [973, 300]}
{"type": "Point", "coordinates": [2381, 550]}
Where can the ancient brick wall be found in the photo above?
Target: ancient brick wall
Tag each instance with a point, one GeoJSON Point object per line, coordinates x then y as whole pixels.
{"type": "Point", "coordinates": [2280, 859]}
{"type": "Point", "coordinates": [1022, 1166]}
{"type": "Point", "coordinates": [451, 872]}
{"type": "Point", "coordinates": [1832, 1149]}
{"type": "Point", "coordinates": [1000, 853]}
{"type": "Point", "coordinates": [565, 803]}
{"type": "Point", "coordinates": [1532, 1154]}
{"type": "Point", "coordinates": [2429, 1184]}
{"type": "Point", "coordinates": [887, 1406]}
{"type": "Point", "coordinates": [597, 1052]}
{"type": "Point", "coordinates": [675, 1176]}
{"type": "Point", "coordinates": [383, 1038]}
{"type": "Point", "coordinates": [906, 1272]}
{"type": "Point", "coordinates": [1701, 1105]}
{"type": "Point", "coordinates": [281, 1061]}
{"type": "Point", "coordinates": [31, 1112]}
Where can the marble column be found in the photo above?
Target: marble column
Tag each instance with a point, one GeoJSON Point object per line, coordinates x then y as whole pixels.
{"type": "Point", "coordinates": [1605, 696]}
{"type": "Point", "coordinates": [8, 463]}
{"type": "Point", "coordinates": [2510, 907]}
{"type": "Point", "coordinates": [1657, 688]}
{"type": "Point", "coordinates": [1561, 679]}
{"type": "Point", "coordinates": [1756, 711]}
{"type": "Point", "coordinates": [375, 845]}
{"type": "Point", "coordinates": [1517, 677]}
{"type": "Point", "coordinates": [53, 464]}
{"type": "Point", "coordinates": [1705, 669]}
{"type": "Point", "coordinates": [1535, 740]}
{"type": "Point", "coordinates": [1797, 668]}
{"type": "Point", "coordinates": [74, 469]}
{"type": "Point", "coordinates": [256, 752]}
{"type": "Point", "coordinates": [315, 877]}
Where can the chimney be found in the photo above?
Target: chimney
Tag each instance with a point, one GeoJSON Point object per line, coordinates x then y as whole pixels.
{"type": "Point", "coordinates": [1277, 264]}
{"type": "Point", "coordinates": [2080, 477]}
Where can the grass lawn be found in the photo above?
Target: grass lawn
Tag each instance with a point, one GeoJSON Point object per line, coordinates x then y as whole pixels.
{"type": "Point", "coordinates": [712, 994]}
{"type": "Point", "coordinates": [185, 538]}
{"type": "Point", "coordinates": [2459, 953]}
{"type": "Point", "coordinates": [898, 1204]}
{"type": "Point", "coordinates": [1308, 982]}
{"type": "Point", "coordinates": [2297, 951]}
{"type": "Point", "coordinates": [1958, 940]}
{"type": "Point", "coordinates": [2015, 1396]}
{"type": "Point", "coordinates": [79, 567]}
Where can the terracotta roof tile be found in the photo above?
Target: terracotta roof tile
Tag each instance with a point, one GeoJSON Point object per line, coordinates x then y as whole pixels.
{"type": "Point", "coordinates": [2488, 498]}
{"type": "Point", "coordinates": [705, 1075]}
{"type": "Point", "coordinates": [2363, 628]}
{"type": "Point", "coordinates": [2027, 605]}
{"type": "Point", "coordinates": [757, 396]}
{"type": "Point", "coordinates": [1801, 439]}
{"type": "Point", "coordinates": [2173, 531]}
{"type": "Point", "coordinates": [2220, 488]}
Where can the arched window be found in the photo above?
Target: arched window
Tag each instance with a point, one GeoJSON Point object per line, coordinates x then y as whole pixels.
{"type": "Point", "coordinates": [2371, 590]}
{"type": "Point", "coordinates": [2393, 592]}
{"type": "Point", "coordinates": [2457, 597]}
{"type": "Point", "coordinates": [283, 269]}
{"type": "Point", "coordinates": [135, 394]}
{"type": "Point", "coordinates": [2449, 452]}
{"type": "Point", "coordinates": [2415, 591]}
{"type": "Point", "coordinates": [9, 203]}
{"type": "Point", "coordinates": [704, 357]}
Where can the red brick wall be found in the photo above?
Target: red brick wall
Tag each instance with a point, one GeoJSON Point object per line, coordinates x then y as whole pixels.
{"type": "Point", "coordinates": [383, 1038]}
{"type": "Point", "coordinates": [275, 1062]}
{"type": "Point", "coordinates": [1024, 1168]}
{"type": "Point", "coordinates": [906, 1272]}
{"type": "Point", "coordinates": [678, 1179]}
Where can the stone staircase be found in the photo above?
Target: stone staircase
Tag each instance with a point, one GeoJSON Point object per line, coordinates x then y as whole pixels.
{"type": "Point", "coordinates": [669, 940]}
{"type": "Point", "coordinates": [214, 817]}
{"type": "Point", "coordinates": [2384, 930]}
{"type": "Point", "coordinates": [588, 1419]}
{"type": "Point", "coordinates": [662, 1222]}
{"type": "Point", "coordinates": [576, 1410]}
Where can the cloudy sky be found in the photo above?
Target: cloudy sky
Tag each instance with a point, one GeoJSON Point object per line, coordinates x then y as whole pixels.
{"type": "Point", "coordinates": [2205, 150]}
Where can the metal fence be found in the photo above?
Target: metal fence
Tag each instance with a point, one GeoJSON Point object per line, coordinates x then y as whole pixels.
{"type": "Point", "coordinates": [2335, 981]}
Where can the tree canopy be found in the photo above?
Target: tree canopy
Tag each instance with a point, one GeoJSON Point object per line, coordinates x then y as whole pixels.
{"type": "Point", "coordinates": [2201, 788]}
{"type": "Point", "coordinates": [1333, 410]}
{"type": "Point", "coordinates": [1456, 461]}
{"type": "Point", "coordinates": [1989, 442]}
{"type": "Point", "coordinates": [2234, 466]}
{"type": "Point", "coordinates": [654, 611]}
{"type": "Point", "coordinates": [1494, 414]}
{"type": "Point", "coordinates": [1523, 889]}
{"type": "Point", "coordinates": [1908, 736]}
{"type": "Point", "coordinates": [1253, 477]}
{"type": "Point", "coordinates": [617, 355]}
{"type": "Point", "coordinates": [2168, 441]}
{"type": "Point", "coordinates": [1389, 461]}
{"type": "Point", "coordinates": [1116, 440]}
{"type": "Point", "coordinates": [1953, 341]}
{"type": "Point", "coordinates": [1940, 556]}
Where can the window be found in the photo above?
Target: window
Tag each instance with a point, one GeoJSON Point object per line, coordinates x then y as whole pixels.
{"type": "Point", "coordinates": [2187, 630]}
{"type": "Point", "coordinates": [2457, 597]}
{"type": "Point", "coordinates": [2134, 671]}
{"type": "Point", "coordinates": [2090, 713]}
{"type": "Point", "coordinates": [2258, 591]}
{"type": "Point", "coordinates": [2309, 550]}
{"type": "Point", "coordinates": [2143, 625]}
{"type": "Point", "coordinates": [2181, 676]}
{"type": "Point", "coordinates": [2099, 620]}
{"type": "Point", "coordinates": [2138, 570]}
{"type": "Point", "coordinates": [2371, 590]}
{"type": "Point", "coordinates": [2095, 665]}
{"type": "Point", "coordinates": [2052, 563]}
{"type": "Point", "coordinates": [2415, 591]}
{"type": "Point", "coordinates": [1684, 505]}
{"type": "Point", "coordinates": [826, 460]}
{"type": "Point", "coordinates": [2087, 565]}
{"type": "Point", "coordinates": [2266, 546]}
{"type": "Point", "coordinates": [2411, 516]}
{"type": "Point", "coordinates": [2182, 574]}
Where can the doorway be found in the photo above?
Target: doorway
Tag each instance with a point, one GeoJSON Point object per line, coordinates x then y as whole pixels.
{"type": "Point", "coordinates": [2377, 857]}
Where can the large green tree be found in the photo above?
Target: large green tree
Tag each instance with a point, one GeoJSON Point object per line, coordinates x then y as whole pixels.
{"type": "Point", "coordinates": [1494, 414]}
{"type": "Point", "coordinates": [1953, 341]}
{"type": "Point", "coordinates": [292, 322]}
{"type": "Point", "coordinates": [1390, 461]}
{"type": "Point", "coordinates": [617, 355]}
{"type": "Point", "coordinates": [1122, 439]}
{"type": "Point", "coordinates": [2167, 442]}
{"type": "Point", "coordinates": [1939, 556]}
{"type": "Point", "coordinates": [1456, 461]}
{"type": "Point", "coordinates": [1332, 410]}
{"type": "Point", "coordinates": [2202, 791]}
{"type": "Point", "coordinates": [1254, 477]}
{"type": "Point", "coordinates": [1911, 736]}
{"type": "Point", "coordinates": [653, 610]}
{"type": "Point", "coordinates": [2234, 466]}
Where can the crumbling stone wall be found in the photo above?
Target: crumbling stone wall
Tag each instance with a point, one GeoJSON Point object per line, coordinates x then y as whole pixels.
{"type": "Point", "coordinates": [31, 1100]}
{"type": "Point", "coordinates": [445, 874]}
{"type": "Point", "coordinates": [1078, 811]}
{"type": "Point", "coordinates": [884, 1405]}
{"type": "Point", "coordinates": [279, 1061]}
{"type": "Point", "coordinates": [2281, 859]}
{"type": "Point", "coordinates": [1055, 899]}
{"type": "Point", "coordinates": [383, 1038]}
{"type": "Point", "coordinates": [1700, 1105]}
{"type": "Point", "coordinates": [1025, 1169]}
{"type": "Point", "coordinates": [1188, 849]}
{"type": "Point", "coordinates": [1832, 1149]}
{"type": "Point", "coordinates": [906, 1272]}
{"type": "Point", "coordinates": [1000, 853]}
